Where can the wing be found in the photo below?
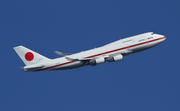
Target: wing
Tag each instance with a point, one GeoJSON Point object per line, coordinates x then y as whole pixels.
{"type": "Point", "coordinates": [72, 59]}
{"type": "Point", "coordinates": [62, 54]}
{"type": "Point", "coordinates": [78, 59]}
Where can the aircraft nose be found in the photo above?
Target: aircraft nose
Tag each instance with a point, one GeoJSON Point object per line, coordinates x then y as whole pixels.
{"type": "Point", "coordinates": [164, 38]}
{"type": "Point", "coordinates": [161, 37]}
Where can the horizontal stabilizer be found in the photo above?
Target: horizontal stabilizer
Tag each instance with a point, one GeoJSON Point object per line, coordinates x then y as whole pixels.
{"type": "Point", "coordinates": [31, 68]}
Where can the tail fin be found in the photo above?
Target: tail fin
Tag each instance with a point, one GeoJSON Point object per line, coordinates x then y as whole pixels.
{"type": "Point", "coordinates": [28, 56]}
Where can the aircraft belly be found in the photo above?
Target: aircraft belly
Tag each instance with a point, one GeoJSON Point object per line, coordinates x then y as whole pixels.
{"type": "Point", "coordinates": [152, 44]}
{"type": "Point", "coordinates": [69, 66]}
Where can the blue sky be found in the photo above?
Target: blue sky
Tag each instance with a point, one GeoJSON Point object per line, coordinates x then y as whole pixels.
{"type": "Point", "coordinates": [145, 81]}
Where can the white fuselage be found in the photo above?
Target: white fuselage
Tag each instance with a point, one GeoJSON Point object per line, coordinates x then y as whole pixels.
{"type": "Point", "coordinates": [123, 46]}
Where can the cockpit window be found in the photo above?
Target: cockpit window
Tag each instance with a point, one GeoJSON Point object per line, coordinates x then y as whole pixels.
{"type": "Point", "coordinates": [152, 33]}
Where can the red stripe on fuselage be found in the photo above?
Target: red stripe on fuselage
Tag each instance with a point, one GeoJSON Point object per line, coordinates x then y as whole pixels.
{"type": "Point", "coordinates": [103, 53]}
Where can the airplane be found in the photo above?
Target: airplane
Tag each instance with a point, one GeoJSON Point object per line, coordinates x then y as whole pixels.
{"type": "Point", "coordinates": [111, 52]}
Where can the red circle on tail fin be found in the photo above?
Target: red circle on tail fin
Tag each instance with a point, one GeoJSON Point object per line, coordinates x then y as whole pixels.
{"type": "Point", "coordinates": [29, 56]}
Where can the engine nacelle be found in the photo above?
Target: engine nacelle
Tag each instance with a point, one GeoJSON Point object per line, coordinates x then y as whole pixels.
{"type": "Point", "coordinates": [97, 61]}
{"type": "Point", "coordinates": [115, 58]}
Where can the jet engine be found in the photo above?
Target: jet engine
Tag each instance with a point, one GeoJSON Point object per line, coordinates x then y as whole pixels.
{"type": "Point", "coordinates": [97, 61]}
{"type": "Point", "coordinates": [115, 58]}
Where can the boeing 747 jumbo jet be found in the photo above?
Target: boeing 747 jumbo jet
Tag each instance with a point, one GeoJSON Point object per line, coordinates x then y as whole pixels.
{"type": "Point", "coordinates": [112, 52]}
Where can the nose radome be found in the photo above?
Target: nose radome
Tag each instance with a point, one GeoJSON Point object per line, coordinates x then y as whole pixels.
{"type": "Point", "coordinates": [164, 38]}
